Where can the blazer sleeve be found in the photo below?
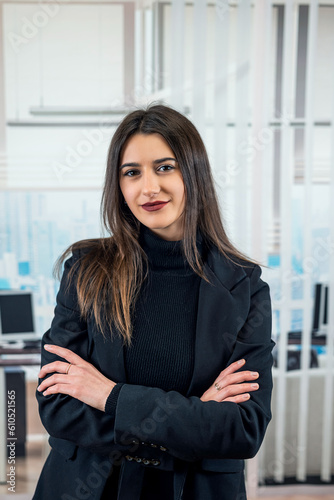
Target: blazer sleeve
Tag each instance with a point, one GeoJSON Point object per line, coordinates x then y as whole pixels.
{"type": "Point", "coordinates": [63, 416]}
{"type": "Point", "coordinates": [189, 428]}
{"type": "Point", "coordinates": [193, 430]}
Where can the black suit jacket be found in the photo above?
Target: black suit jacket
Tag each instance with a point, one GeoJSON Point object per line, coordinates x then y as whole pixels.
{"type": "Point", "coordinates": [204, 443]}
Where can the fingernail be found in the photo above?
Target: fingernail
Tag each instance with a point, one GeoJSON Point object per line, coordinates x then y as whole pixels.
{"type": "Point", "coordinates": [246, 396]}
{"type": "Point", "coordinates": [38, 388]}
{"type": "Point", "coordinates": [241, 361]}
{"type": "Point", "coordinates": [255, 374]}
{"type": "Point", "coordinates": [48, 346]}
{"type": "Point", "coordinates": [255, 386]}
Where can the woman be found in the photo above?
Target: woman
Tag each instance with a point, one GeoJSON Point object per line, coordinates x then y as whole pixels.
{"type": "Point", "coordinates": [156, 372]}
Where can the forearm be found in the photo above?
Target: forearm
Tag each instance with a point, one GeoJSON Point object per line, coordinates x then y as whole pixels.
{"type": "Point", "coordinates": [192, 429]}
{"type": "Point", "coordinates": [68, 418]}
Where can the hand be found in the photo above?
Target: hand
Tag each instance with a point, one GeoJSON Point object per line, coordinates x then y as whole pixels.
{"type": "Point", "coordinates": [77, 378]}
{"type": "Point", "coordinates": [230, 386]}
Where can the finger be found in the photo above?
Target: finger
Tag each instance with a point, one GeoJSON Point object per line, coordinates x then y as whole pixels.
{"type": "Point", "coordinates": [59, 389]}
{"type": "Point", "coordinates": [230, 391]}
{"type": "Point", "coordinates": [227, 392]}
{"type": "Point", "coordinates": [62, 352]}
{"type": "Point", "coordinates": [54, 379]}
{"type": "Point", "coordinates": [236, 378]}
{"type": "Point", "coordinates": [233, 367]}
{"type": "Point", "coordinates": [241, 398]}
{"type": "Point", "coordinates": [235, 390]}
{"type": "Point", "coordinates": [56, 366]}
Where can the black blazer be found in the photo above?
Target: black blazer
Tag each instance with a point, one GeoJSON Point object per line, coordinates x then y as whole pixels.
{"type": "Point", "coordinates": [204, 443]}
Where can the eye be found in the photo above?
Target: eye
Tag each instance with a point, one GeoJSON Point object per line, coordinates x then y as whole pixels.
{"type": "Point", "coordinates": [166, 168]}
{"type": "Point", "coordinates": [131, 173]}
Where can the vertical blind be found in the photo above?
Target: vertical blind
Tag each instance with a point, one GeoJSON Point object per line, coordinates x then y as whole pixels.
{"type": "Point", "coordinates": [256, 78]}
{"type": "Point", "coordinates": [252, 90]}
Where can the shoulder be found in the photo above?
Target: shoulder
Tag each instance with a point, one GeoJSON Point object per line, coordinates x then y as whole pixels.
{"type": "Point", "coordinates": [84, 247]}
{"type": "Point", "coordinates": [83, 254]}
{"type": "Point", "coordinates": [231, 269]}
{"type": "Point", "coordinates": [88, 249]}
{"type": "Point", "coordinates": [81, 259]}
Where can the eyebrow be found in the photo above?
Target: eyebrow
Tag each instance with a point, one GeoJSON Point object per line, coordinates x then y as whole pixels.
{"type": "Point", "coordinates": [134, 164]}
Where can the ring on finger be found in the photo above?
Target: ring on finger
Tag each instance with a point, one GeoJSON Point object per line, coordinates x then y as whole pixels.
{"type": "Point", "coordinates": [68, 368]}
{"type": "Point", "coordinates": [218, 387]}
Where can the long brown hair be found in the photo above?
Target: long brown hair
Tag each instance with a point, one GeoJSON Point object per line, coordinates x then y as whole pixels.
{"type": "Point", "coordinates": [111, 270]}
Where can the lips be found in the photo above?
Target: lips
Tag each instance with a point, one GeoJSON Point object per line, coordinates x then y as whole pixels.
{"type": "Point", "coordinates": [158, 202]}
{"type": "Point", "coordinates": [156, 205]}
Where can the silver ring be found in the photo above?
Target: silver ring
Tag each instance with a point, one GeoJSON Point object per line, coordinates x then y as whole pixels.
{"type": "Point", "coordinates": [218, 387]}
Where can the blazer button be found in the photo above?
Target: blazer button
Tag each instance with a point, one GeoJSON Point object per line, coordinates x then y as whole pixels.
{"type": "Point", "coordinates": [155, 462]}
{"type": "Point", "coordinates": [146, 462]}
{"type": "Point", "coordinates": [138, 460]}
{"type": "Point", "coordinates": [129, 458]}
{"type": "Point", "coordinates": [162, 448]}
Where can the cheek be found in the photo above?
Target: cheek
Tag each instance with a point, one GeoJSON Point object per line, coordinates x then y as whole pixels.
{"type": "Point", "coordinates": [127, 190]}
{"type": "Point", "coordinates": [180, 191]}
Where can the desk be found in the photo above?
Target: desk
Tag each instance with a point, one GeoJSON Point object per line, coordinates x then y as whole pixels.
{"type": "Point", "coordinates": [313, 342]}
{"type": "Point", "coordinates": [18, 360]}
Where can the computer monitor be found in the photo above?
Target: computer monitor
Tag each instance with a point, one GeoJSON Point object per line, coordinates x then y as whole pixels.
{"type": "Point", "coordinates": [17, 322]}
{"type": "Point", "coordinates": [320, 312]}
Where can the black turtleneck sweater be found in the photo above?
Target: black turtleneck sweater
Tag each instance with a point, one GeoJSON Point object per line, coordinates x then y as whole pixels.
{"type": "Point", "coordinates": [164, 320]}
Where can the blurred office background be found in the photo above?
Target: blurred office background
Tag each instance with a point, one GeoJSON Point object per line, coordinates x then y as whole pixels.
{"type": "Point", "coordinates": [257, 79]}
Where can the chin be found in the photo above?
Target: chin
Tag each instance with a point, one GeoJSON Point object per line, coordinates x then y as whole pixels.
{"type": "Point", "coordinates": [157, 228]}
{"type": "Point", "coordinates": [156, 224]}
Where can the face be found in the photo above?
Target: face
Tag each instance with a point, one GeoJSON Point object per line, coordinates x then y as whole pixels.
{"type": "Point", "coordinates": [151, 183]}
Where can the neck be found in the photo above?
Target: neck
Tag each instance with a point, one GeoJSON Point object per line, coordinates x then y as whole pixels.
{"type": "Point", "coordinates": [167, 237]}
{"type": "Point", "coordinates": [165, 254]}
{"type": "Point", "coordinates": [175, 232]}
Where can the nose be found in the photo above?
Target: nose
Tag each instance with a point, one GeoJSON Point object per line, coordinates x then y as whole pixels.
{"type": "Point", "coordinates": [150, 184]}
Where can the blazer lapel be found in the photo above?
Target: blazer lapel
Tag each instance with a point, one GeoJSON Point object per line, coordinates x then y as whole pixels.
{"type": "Point", "coordinates": [221, 312]}
{"type": "Point", "coordinates": [219, 317]}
